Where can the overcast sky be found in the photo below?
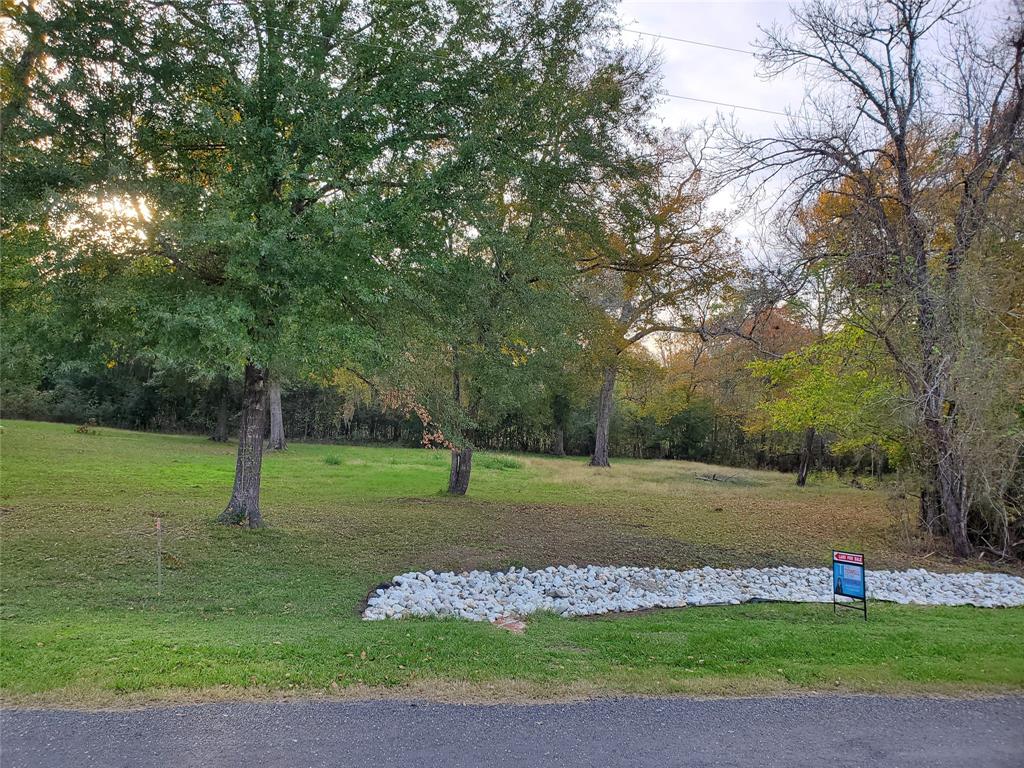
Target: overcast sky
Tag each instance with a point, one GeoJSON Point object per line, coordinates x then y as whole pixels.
{"type": "Point", "coordinates": [711, 73]}
{"type": "Point", "coordinates": [722, 75]}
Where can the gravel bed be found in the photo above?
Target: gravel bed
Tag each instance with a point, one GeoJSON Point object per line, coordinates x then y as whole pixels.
{"type": "Point", "coordinates": [593, 590]}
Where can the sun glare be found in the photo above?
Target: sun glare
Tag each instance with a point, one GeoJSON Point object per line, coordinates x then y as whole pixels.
{"type": "Point", "coordinates": [114, 220]}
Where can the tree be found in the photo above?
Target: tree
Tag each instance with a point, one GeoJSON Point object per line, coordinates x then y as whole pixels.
{"type": "Point", "coordinates": [917, 135]}
{"type": "Point", "coordinates": [221, 390]}
{"type": "Point", "coordinates": [708, 373]}
{"type": "Point", "coordinates": [842, 384]}
{"type": "Point", "coordinates": [560, 408]}
{"type": "Point", "coordinates": [62, 128]}
{"type": "Point", "coordinates": [277, 440]}
{"type": "Point", "coordinates": [265, 162]}
{"type": "Point", "coordinates": [661, 251]}
{"type": "Point", "coordinates": [494, 293]}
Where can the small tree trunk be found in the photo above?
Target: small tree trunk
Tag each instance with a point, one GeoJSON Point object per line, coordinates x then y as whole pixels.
{"type": "Point", "coordinates": [805, 457]}
{"type": "Point", "coordinates": [244, 505]}
{"type": "Point", "coordinates": [953, 496]}
{"type": "Point", "coordinates": [558, 441]}
{"type": "Point", "coordinates": [931, 512]}
{"type": "Point", "coordinates": [220, 430]}
{"type": "Point", "coordinates": [462, 460]}
{"type": "Point", "coordinates": [462, 466]}
{"type": "Point", "coordinates": [604, 418]}
{"type": "Point", "coordinates": [277, 441]}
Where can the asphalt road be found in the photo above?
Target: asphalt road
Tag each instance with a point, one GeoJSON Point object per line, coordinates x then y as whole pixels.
{"type": "Point", "coordinates": [789, 732]}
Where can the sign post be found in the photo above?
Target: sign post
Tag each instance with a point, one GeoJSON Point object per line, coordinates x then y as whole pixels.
{"type": "Point", "coordinates": [848, 581]}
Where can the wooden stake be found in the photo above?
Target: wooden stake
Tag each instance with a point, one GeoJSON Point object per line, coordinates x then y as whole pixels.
{"type": "Point", "coordinates": [159, 557]}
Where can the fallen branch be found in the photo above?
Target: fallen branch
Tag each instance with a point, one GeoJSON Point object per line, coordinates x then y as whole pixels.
{"type": "Point", "coordinates": [714, 477]}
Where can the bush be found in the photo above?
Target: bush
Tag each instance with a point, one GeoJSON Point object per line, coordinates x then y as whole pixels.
{"type": "Point", "coordinates": [88, 428]}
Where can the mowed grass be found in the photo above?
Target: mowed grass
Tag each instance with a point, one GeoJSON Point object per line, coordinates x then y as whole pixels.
{"type": "Point", "coordinates": [256, 613]}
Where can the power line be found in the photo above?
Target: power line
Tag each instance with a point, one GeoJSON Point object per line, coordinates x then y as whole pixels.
{"type": "Point", "coordinates": [724, 104]}
{"type": "Point", "coordinates": [691, 42]}
{"type": "Point", "coordinates": [746, 51]}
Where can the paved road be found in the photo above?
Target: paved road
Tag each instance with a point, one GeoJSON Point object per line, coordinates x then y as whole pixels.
{"type": "Point", "coordinates": [788, 732]}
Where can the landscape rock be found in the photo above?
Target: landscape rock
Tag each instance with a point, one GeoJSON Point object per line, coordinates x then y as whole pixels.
{"type": "Point", "coordinates": [595, 590]}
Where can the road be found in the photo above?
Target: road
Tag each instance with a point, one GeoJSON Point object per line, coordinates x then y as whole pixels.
{"type": "Point", "coordinates": [789, 732]}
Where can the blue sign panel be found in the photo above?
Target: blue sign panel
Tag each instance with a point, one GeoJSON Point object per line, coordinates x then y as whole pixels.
{"type": "Point", "coordinates": [848, 578]}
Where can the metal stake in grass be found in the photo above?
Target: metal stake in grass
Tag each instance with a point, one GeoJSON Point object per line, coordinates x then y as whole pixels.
{"type": "Point", "coordinates": [159, 557]}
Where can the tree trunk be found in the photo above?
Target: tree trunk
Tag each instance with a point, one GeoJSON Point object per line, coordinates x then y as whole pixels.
{"type": "Point", "coordinates": [938, 357]}
{"type": "Point", "coordinates": [277, 441]}
{"type": "Point", "coordinates": [462, 466]}
{"type": "Point", "coordinates": [220, 430]}
{"type": "Point", "coordinates": [940, 423]}
{"type": "Point", "coordinates": [462, 459]}
{"type": "Point", "coordinates": [931, 511]}
{"type": "Point", "coordinates": [244, 505]}
{"type": "Point", "coordinates": [953, 493]}
{"type": "Point", "coordinates": [805, 457]}
{"type": "Point", "coordinates": [558, 442]}
{"type": "Point", "coordinates": [604, 418]}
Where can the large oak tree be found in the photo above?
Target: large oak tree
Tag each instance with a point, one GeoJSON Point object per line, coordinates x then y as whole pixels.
{"type": "Point", "coordinates": [256, 186]}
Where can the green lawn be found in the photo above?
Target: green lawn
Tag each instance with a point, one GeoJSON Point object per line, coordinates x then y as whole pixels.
{"type": "Point", "coordinates": [255, 613]}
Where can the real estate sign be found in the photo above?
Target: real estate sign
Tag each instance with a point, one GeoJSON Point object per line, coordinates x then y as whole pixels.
{"type": "Point", "coordinates": [848, 580]}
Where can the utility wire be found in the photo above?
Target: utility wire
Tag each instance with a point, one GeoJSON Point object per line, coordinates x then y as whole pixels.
{"type": "Point", "coordinates": [691, 42]}
{"type": "Point", "coordinates": [707, 45]}
{"type": "Point", "coordinates": [724, 104]}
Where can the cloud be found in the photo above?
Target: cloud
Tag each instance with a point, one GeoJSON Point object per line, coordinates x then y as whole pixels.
{"type": "Point", "coordinates": [709, 73]}
{"type": "Point", "coordinates": [713, 74]}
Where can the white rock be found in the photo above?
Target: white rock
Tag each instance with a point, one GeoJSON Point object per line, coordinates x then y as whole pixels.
{"type": "Point", "coordinates": [595, 590]}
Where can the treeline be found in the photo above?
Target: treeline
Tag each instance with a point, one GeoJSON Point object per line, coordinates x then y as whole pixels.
{"type": "Point", "coordinates": [141, 398]}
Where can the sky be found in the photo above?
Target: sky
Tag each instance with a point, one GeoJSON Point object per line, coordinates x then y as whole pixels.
{"type": "Point", "coordinates": [713, 74]}
{"type": "Point", "coordinates": [728, 76]}
{"type": "Point", "coordinates": [721, 75]}
{"type": "Point", "coordinates": [710, 73]}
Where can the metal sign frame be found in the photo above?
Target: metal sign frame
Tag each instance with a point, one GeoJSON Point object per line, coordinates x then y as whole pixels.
{"type": "Point", "coordinates": [844, 565]}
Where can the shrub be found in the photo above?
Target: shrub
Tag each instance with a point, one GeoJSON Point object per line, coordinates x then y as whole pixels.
{"type": "Point", "coordinates": [88, 428]}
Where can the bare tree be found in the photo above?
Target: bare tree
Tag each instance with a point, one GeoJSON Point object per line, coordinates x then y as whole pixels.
{"type": "Point", "coordinates": [913, 122]}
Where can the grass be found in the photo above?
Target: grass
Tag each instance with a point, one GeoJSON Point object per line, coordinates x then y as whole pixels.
{"type": "Point", "coordinates": [250, 614]}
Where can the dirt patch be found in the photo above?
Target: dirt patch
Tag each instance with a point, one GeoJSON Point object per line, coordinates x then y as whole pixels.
{"type": "Point", "coordinates": [469, 534]}
{"type": "Point", "coordinates": [558, 536]}
{"type": "Point", "coordinates": [460, 558]}
{"type": "Point", "coordinates": [536, 536]}
{"type": "Point", "coordinates": [497, 692]}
